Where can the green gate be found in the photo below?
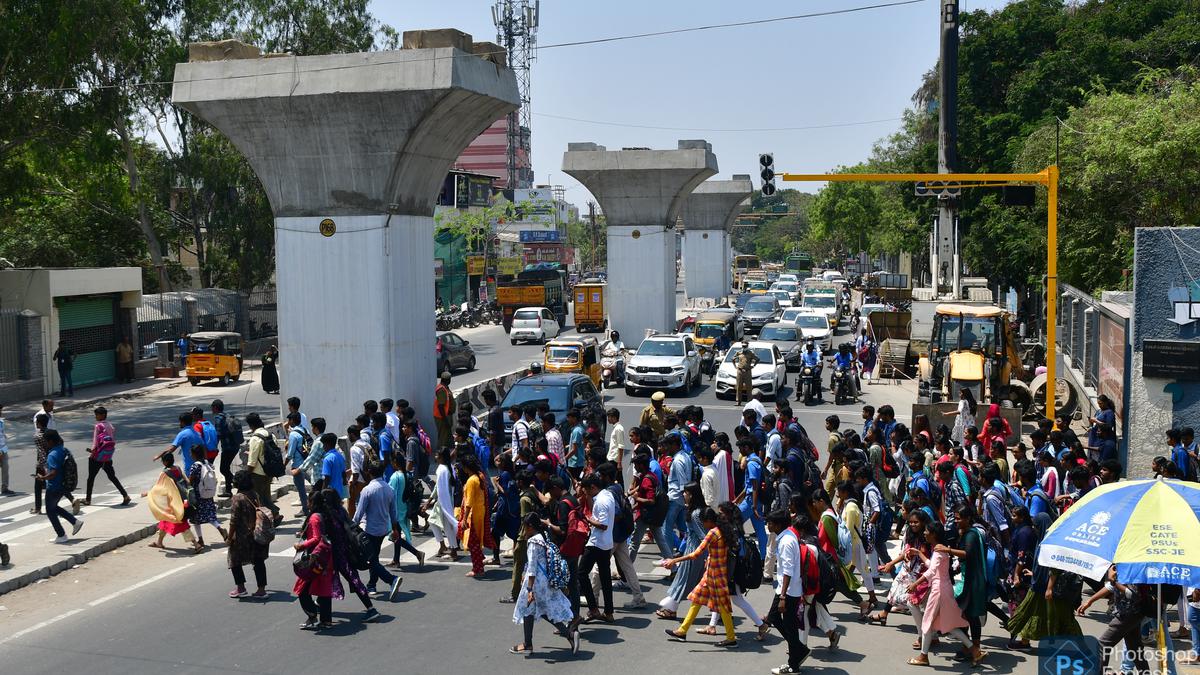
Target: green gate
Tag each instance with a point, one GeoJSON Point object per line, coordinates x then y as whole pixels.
{"type": "Point", "coordinates": [87, 325]}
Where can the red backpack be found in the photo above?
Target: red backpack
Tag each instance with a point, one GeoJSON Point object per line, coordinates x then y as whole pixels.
{"type": "Point", "coordinates": [577, 533]}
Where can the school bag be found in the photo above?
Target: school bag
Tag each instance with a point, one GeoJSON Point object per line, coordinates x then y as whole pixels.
{"type": "Point", "coordinates": [656, 513]}
{"type": "Point", "coordinates": [888, 464]}
{"type": "Point", "coordinates": [482, 450]}
{"type": "Point", "coordinates": [235, 432]}
{"type": "Point", "coordinates": [558, 573]}
{"type": "Point", "coordinates": [356, 545]}
{"type": "Point", "coordinates": [208, 434]}
{"type": "Point", "coordinates": [828, 571]}
{"type": "Point", "coordinates": [748, 564]}
{"type": "Point", "coordinates": [845, 543]}
{"type": "Point", "coordinates": [577, 532]}
{"type": "Point", "coordinates": [105, 444]}
{"type": "Point", "coordinates": [623, 522]}
{"type": "Point", "coordinates": [272, 456]}
{"type": "Point", "coordinates": [206, 488]}
{"type": "Point", "coordinates": [810, 568]}
{"type": "Point", "coordinates": [70, 472]}
{"type": "Point", "coordinates": [264, 526]}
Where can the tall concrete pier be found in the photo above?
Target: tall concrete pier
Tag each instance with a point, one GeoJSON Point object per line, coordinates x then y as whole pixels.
{"type": "Point", "coordinates": [708, 214]}
{"type": "Point", "coordinates": [641, 192]}
{"type": "Point", "coordinates": [352, 150]}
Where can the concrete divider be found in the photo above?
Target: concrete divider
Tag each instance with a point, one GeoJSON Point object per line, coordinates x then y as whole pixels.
{"type": "Point", "coordinates": [474, 393]}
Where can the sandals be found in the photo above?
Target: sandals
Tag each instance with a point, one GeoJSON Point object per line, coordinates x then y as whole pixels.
{"type": "Point", "coordinates": [155, 544]}
{"type": "Point", "coordinates": [878, 617]}
{"type": "Point", "coordinates": [918, 661]}
{"type": "Point", "coordinates": [707, 630]}
{"type": "Point", "coordinates": [665, 614]}
{"type": "Point", "coordinates": [674, 636]}
{"type": "Point", "coordinates": [519, 649]}
{"type": "Point", "coordinates": [763, 629]}
{"type": "Point", "coordinates": [978, 659]}
{"type": "Point", "coordinates": [730, 644]}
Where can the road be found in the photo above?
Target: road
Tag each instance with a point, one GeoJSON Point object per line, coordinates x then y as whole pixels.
{"type": "Point", "coordinates": [138, 609]}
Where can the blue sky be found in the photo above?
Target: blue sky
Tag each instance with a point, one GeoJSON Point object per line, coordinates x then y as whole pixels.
{"type": "Point", "coordinates": [827, 70]}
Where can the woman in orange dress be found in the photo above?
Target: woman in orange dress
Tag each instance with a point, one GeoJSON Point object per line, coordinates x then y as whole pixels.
{"type": "Point", "coordinates": [474, 516]}
{"type": "Point", "coordinates": [713, 589]}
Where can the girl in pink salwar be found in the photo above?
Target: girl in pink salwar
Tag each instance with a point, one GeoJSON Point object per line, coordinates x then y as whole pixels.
{"type": "Point", "coordinates": [940, 613]}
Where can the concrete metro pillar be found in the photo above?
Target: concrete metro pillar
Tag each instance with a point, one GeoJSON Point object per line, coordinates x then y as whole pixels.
{"type": "Point", "coordinates": [641, 192]}
{"type": "Point", "coordinates": [708, 214]}
{"type": "Point", "coordinates": [352, 150]}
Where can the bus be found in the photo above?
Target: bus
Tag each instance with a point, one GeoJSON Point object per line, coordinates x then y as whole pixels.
{"type": "Point", "coordinates": [743, 265]}
{"type": "Point", "coordinates": [800, 264]}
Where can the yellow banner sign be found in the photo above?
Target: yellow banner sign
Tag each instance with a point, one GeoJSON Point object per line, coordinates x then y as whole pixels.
{"type": "Point", "coordinates": [474, 265]}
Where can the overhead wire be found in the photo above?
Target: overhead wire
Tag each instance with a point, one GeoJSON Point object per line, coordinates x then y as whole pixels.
{"type": "Point", "coordinates": [500, 52]}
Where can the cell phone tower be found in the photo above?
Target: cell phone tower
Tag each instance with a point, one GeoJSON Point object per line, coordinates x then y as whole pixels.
{"type": "Point", "coordinates": [516, 30]}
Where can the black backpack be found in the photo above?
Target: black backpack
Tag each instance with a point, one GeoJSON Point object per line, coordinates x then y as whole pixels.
{"type": "Point", "coordinates": [70, 471]}
{"type": "Point", "coordinates": [656, 514]}
{"type": "Point", "coordinates": [356, 545]}
{"type": "Point", "coordinates": [623, 522]}
{"type": "Point", "coordinates": [748, 564]}
{"type": "Point", "coordinates": [827, 568]}
{"type": "Point", "coordinates": [272, 457]}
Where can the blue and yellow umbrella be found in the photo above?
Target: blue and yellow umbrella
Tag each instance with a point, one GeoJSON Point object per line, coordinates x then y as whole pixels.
{"type": "Point", "coordinates": [1149, 528]}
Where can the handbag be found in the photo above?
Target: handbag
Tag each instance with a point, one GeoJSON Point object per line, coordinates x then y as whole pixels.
{"type": "Point", "coordinates": [310, 564]}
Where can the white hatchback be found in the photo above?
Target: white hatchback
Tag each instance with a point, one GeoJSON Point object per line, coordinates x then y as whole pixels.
{"type": "Point", "coordinates": [533, 324]}
{"type": "Point", "coordinates": [767, 378]}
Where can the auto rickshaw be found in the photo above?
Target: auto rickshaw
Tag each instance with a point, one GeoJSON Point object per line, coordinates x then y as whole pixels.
{"type": "Point", "coordinates": [214, 355]}
{"type": "Point", "coordinates": [573, 355]}
{"type": "Point", "coordinates": [711, 326]}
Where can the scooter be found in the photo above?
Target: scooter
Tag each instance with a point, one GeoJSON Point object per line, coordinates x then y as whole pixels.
{"type": "Point", "coordinates": [708, 362]}
{"type": "Point", "coordinates": [612, 367]}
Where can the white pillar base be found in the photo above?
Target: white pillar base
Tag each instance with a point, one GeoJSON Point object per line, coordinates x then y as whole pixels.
{"type": "Point", "coordinates": [356, 314]}
{"type": "Point", "coordinates": [641, 280]}
{"type": "Point", "coordinates": [705, 256]}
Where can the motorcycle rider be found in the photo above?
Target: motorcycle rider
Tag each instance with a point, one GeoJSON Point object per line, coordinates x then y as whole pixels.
{"type": "Point", "coordinates": [845, 360]}
{"type": "Point", "coordinates": [811, 358]}
{"type": "Point", "coordinates": [616, 349]}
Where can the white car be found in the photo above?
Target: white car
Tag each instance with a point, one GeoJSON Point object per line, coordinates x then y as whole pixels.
{"type": "Point", "coordinates": [784, 297]}
{"type": "Point", "coordinates": [534, 324]}
{"type": "Point", "coordinates": [826, 303]}
{"type": "Point", "coordinates": [767, 378]}
{"type": "Point", "coordinates": [814, 325]}
{"type": "Point", "coordinates": [789, 315]}
{"type": "Point", "coordinates": [663, 362]}
{"type": "Point", "coordinates": [788, 277]}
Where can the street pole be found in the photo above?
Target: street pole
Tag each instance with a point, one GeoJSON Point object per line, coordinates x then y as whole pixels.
{"type": "Point", "coordinates": [1051, 287]}
{"type": "Point", "coordinates": [592, 220]}
{"type": "Point", "coordinates": [947, 243]}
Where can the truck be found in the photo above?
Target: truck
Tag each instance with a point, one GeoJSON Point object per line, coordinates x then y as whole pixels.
{"type": "Point", "coordinates": [541, 287]}
{"type": "Point", "coordinates": [589, 306]}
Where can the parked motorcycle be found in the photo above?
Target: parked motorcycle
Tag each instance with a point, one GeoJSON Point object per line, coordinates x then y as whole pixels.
{"type": "Point", "coordinates": [612, 366]}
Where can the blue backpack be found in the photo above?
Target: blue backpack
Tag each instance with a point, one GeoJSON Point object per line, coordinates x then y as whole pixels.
{"type": "Point", "coordinates": [482, 450]}
{"type": "Point", "coordinates": [209, 435]}
{"type": "Point", "coordinates": [558, 573]}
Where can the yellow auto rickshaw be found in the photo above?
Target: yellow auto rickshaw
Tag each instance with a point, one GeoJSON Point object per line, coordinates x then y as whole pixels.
{"type": "Point", "coordinates": [573, 355]}
{"type": "Point", "coordinates": [214, 355]}
{"type": "Point", "coordinates": [713, 324]}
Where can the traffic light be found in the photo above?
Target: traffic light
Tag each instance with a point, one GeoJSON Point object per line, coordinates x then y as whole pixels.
{"type": "Point", "coordinates": [766, 165]}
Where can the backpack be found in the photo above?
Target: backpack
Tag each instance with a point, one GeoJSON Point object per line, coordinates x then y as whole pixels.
{"type": "Point", "coordinates": [208, 433]}
{"type": "Point", "coordinates": [995, 560]}
{"type": "Point", "coordinates": [235, 432]}
{"type": "Point", "coordinates": [264, 526]}
{"type": "Point", "coordinates": [656, 513]}
{"type": "Point", "coordinates": [272, 456]}
{"type": "Point", "coordinates": [105, 444]}
{"type": "Point", "coordinates": [1051, 507]}
{"type": "Point", "coordinates": [423, 458]}
{"type": "Point", "coordinates": [828, 570]}
{"type": "Point", "coordinates": [623, 521]}
{"type": "Point", "coordinates": [356, 545]}
{"type": "Point", "coordinates": [483, 451]}
{"type": "Point", "coordinates": [70, 471]}
{"type": "Point", "coordinates": [748, 566]}
{"type": "Point", "coordinates": [558, 573]}
{"type": "Point", "coordinates": [888, 464]}
{"type": "Point", "coordinates": [206, 488]}
{"type": "Point", "coordinates": [306, 440]}
{"type": "Point", "coordinates": [810, 566]}
{"type": "Point", "coordinates": [845, 543]}
{"type": "Point", "coordinates": [577, 532]}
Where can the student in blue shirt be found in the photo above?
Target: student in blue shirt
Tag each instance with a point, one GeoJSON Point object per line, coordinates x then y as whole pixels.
{"type": "Point", "coordinates": [750, 501]}
{"type": "Point", "coordinates": [184, 440]}
{"type": "Point", "coordinates": [333, 466]}
{"type": "Point", "coordinates": [575, 449]}
{"type": "Point", "coordinates": [53, 476]}
{"type": "Point", "coordinates": [296, 452]}
{"type": "Point", "coordinates": [1035, 499]}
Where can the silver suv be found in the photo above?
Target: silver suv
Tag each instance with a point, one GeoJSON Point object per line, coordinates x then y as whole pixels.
{"type": "Point", "coordinates": [664, 362]}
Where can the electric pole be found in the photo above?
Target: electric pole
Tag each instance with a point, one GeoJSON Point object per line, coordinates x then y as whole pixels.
{"type": "Point", "coordinates": [946, 262]}
{"type": "Point", "coordinates": [593, 228]}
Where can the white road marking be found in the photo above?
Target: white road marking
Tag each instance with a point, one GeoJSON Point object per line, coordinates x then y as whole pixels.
{"type": "Point", "coordinates": [39, 626]}
{"type": "Point", "coordinates": [93, 603]}
{"type": "Point", "coordinates": [140, 584]}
